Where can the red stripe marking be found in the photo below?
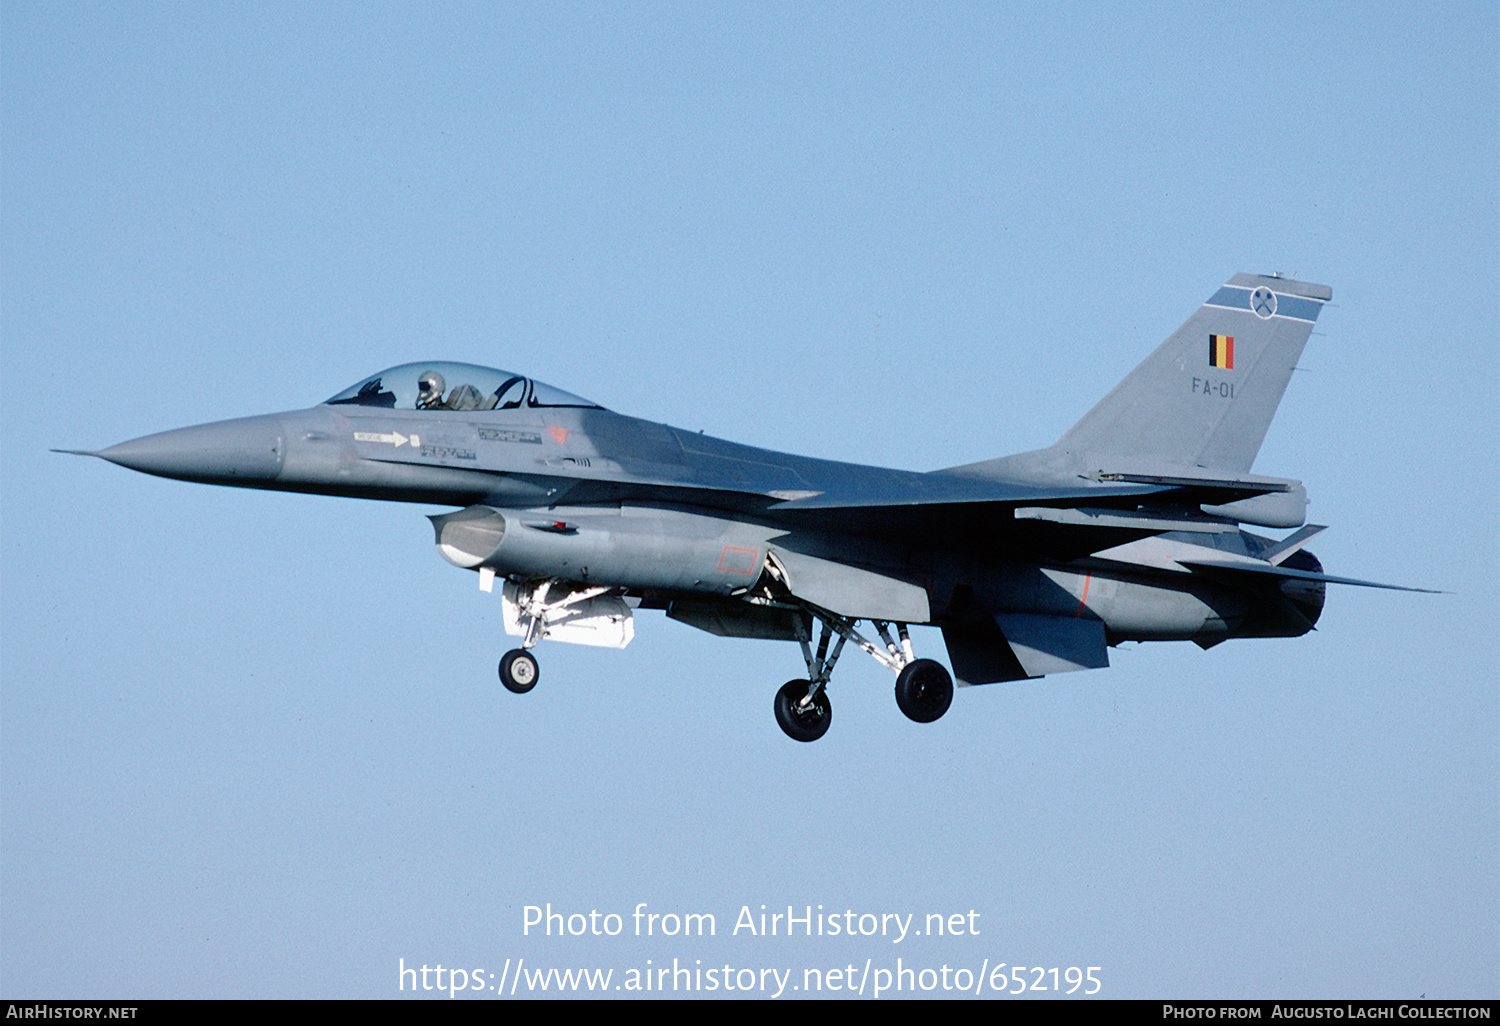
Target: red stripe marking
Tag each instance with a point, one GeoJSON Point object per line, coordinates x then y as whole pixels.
{"type": "Point", "coordinates": [1084, 600]}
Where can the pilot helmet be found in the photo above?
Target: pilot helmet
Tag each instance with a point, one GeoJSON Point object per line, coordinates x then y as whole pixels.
{"type": "Point", "coordinates": [431, 386]}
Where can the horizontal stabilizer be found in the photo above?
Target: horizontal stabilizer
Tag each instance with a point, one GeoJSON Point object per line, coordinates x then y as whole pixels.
{"type": "Point", "coordinates": [1271, 570]}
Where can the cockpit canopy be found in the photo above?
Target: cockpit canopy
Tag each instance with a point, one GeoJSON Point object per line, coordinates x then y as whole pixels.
{"type": "Point", "coordinates": [441, 385]}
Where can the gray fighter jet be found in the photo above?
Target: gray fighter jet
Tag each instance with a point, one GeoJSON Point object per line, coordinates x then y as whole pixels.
{"type": "Point", "coordinates": [1128, 529]}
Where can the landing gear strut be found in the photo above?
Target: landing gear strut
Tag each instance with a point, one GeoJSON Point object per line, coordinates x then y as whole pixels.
{"type": "Point", "coordinates": [518, 667]}
{"type": "Point", "coordinates": [924, 690]}
{"type": "Point", "coordinates": [554, 608]}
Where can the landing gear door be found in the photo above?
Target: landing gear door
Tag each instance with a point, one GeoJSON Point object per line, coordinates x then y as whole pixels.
{"type": "Point", "coordinates": [578, 616]}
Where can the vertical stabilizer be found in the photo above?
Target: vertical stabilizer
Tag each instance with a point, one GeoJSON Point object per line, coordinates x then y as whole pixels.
{"type": "Point", "coordinates": [1206, 396]}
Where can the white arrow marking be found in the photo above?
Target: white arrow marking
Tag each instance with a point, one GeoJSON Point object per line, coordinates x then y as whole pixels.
{"type": "Point", "coordinates": [394, 438]}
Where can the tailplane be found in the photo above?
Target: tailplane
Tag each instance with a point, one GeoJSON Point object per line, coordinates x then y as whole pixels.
{"type": "Point", "coordinates": [1206, 396]}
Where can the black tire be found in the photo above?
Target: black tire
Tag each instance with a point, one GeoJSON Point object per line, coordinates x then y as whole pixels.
{"type": "Point", "coordinates": [519, 671]}
{"type": "Point", "coordinates": [802, 726]}
{"type": "Point", "coordinates": [924, 690]}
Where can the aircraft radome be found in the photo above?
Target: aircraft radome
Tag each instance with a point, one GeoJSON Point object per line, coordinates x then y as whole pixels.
{"type": "Point", "coordinates": [1129, 528]}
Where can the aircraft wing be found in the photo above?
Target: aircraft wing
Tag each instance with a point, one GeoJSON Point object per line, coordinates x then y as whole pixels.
{"type": "Point", "coordinates": [939, 489]}
{"type": "Point", "coordinates": [1063, 521]}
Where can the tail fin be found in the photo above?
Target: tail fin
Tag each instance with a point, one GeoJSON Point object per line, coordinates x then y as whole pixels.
{"type": "Point", "coordinates": [1206, 396]}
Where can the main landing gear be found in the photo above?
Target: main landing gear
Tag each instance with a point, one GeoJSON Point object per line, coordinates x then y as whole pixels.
{"type": "Point", "coordinates": [924, 690]}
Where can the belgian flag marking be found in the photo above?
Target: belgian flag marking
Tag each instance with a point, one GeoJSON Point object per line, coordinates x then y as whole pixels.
{"type": "Point", "coordinates": [1221, 351]}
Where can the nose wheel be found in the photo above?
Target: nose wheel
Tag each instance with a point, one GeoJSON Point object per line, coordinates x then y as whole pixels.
{"type": "Point", "coordinates": [519, 671]}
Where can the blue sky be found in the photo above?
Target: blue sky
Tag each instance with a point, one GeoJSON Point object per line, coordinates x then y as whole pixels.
{"type": "Point", "coordinates": [252, 744]}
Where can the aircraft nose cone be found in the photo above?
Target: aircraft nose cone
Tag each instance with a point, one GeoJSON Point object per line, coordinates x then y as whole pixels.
{"type": "Point", "coordinates": [237, 452]}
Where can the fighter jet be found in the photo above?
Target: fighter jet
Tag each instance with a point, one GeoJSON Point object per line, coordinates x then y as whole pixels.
{"type": "Point", "coordinates": [1129, 528]}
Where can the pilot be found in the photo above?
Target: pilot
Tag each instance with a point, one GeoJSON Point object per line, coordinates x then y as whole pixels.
{"type": "Point", "coordinates": [430, 395]}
